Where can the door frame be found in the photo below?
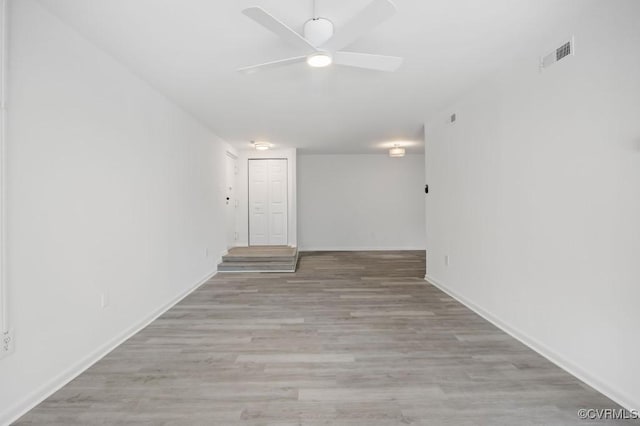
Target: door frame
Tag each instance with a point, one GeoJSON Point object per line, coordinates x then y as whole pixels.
{"type": "Point", "coordinates": [4, 303]}
{"type": "Point", "coordinates": [234, 198]}
{"type": "Point", "coordinates": [243, 186]}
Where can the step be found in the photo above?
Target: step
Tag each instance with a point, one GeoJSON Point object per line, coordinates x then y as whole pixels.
{"type": "Point", "coordinates": [256, 258]}
{"type": "Point", "coordinates": [256, 266]}
{"type": "Point", "coordinates": [261, 251]}
{"type": "Point", "coordinates": [260, 259]}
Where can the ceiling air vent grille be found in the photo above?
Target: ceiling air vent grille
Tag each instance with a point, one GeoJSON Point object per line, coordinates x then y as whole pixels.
{"type": "Point", "coordinates": [567, 49]}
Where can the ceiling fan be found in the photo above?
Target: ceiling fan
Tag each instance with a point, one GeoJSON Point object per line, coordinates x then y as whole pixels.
{"type": "Point", "coordinates": [320, 47]}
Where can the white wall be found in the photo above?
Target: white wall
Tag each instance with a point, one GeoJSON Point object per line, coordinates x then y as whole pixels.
{"type": "Point", "coordinates": [535, 196]}
{"type": "Point", "coordinates": [361, 202]}
{"type": "Point", "coordinates": [242, 223]}
{"type": "Point", "coordinates": [112, 190]}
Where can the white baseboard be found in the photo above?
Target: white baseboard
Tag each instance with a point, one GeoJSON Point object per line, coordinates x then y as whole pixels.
{"type": "Point", "coordinates": [361, 248]}
{"type": "Point", "coordinates": [71, 373]}
{"type": "Point", "coordinates": [625, 401]}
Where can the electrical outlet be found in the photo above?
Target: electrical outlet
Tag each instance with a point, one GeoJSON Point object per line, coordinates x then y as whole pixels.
{"type": "Point", "coordinates": [446, 260]}
{"type": "Point", "coordinates": [6, 343]}
{"type": "Point", "coordinates": [104, 300]}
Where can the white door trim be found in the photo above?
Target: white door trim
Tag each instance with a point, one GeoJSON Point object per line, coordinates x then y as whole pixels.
{"type": "Point", "coordinates": [231, 199]}
{"type": "Point", "coordinates": [4, 304]}
{"type": "Point", "coordinates": [243, 211]}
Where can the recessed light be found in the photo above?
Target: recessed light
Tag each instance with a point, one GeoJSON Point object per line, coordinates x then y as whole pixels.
{"type": "Point", "coordinates": [319, 60]}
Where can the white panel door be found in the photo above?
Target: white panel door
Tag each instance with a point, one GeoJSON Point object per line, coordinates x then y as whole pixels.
{"type": "Point", "coordinates": [268, 202]}
{"type": "Point", "coordinates": [258, 203]}
{"type": "Point", "coordinates": [277, 178]}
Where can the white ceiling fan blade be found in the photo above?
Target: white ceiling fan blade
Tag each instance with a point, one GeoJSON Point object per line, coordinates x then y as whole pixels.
{"type": "Point", "coordinates": [276, 26]}
{"type": "Point", "coordinates": [272, 64]}
{"type": "Point", "coordinates": [371, 16]}
{"type": "Point", "coordinates": [365, 60]}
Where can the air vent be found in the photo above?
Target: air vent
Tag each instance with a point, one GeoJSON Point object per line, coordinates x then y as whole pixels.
{"type": "Point", "coordinates": [566, 49]}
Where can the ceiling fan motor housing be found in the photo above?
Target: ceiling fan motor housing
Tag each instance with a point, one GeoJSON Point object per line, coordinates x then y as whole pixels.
{"type": "Point", "coordinates": [318, 31]}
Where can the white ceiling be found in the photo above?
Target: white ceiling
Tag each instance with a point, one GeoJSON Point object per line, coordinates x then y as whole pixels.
{"type": "Point", "coordinates": [190, 49]}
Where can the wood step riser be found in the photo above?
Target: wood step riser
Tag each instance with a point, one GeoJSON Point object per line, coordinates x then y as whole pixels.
{"type": "Point", "coordinates": [258, 264]}
{"type": "Point", "coordinates": [254, 259]}
{"type": "Point", "coordinates": [228, 268]}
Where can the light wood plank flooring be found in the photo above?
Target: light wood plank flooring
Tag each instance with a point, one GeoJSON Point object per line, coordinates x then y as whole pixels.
{"type": "Point", "coordinates": [350, 339]}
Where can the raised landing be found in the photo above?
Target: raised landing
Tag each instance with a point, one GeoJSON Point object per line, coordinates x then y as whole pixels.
{"type": "Point", "coordinates": [260, 259]}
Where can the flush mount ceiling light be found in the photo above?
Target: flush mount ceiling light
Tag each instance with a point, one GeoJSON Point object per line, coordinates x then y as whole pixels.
{"type": "Point", "coordinates": [261, 145]}
{"type": "Point", "coordinates": [319, 60]}
{"type": "Point", "coordinates": [396, 152]}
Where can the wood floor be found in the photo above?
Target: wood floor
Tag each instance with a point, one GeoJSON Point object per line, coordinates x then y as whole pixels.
{"type": "Point", "coordinates": [350, 339]}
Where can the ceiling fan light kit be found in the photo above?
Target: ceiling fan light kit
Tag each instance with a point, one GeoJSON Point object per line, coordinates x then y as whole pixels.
{"type": "Point", "coordinates": [319, 60]}
{"type": "Point", "coordinates": [322, 45]}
